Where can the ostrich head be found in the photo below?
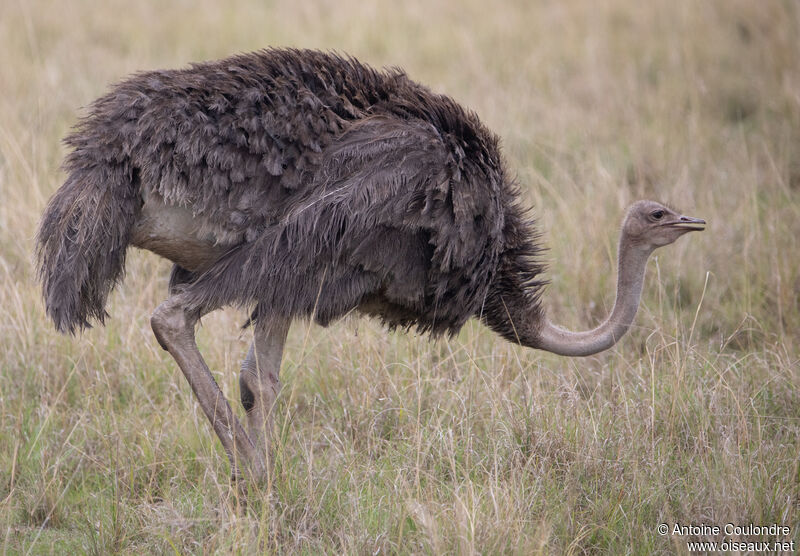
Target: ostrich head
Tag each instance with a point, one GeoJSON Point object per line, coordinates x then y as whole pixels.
{"type": "Point", "coordinates": [649, 225]}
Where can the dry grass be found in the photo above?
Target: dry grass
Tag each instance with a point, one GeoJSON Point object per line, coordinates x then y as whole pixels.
{"type": "Point", "coordinates": [392, 443]}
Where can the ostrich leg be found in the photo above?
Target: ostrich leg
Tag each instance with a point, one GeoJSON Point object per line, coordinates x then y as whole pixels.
{"type": "Point", "coordinates": [259, 381]}
{"type": "Point", "coordinates": [173, 324]}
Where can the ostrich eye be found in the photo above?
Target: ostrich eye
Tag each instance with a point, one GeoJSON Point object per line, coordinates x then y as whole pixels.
{"type": "Point", "coordinates": [657, 215]}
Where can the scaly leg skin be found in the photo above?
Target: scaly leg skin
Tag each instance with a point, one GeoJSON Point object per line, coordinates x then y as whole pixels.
{"type": "Point", "coordinates": [260, 383]}
{"type": "Point", "coordinates": [173, 325]}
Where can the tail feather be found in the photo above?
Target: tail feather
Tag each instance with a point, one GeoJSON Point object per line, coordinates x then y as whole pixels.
{"type": "Point", "coordinates": [82, 240]}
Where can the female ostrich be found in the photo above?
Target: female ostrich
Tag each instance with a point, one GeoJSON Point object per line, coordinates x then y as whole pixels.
{"type": "Point", "coordinates": [305, 184]}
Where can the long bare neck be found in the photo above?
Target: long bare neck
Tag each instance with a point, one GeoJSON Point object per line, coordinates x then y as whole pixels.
{"type": "Point", "coordinates": [630, 277]}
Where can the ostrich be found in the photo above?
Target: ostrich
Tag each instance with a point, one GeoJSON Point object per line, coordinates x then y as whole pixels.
{"type": "Point", "coordinates": [304, 184]}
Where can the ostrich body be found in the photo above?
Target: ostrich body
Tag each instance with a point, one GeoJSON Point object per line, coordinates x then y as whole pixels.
{"type": "Point", "coordinates": [305, 184]}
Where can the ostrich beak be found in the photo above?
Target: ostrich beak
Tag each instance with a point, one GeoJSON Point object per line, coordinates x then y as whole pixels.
{"type": "Point", "coordinates": [689, 223]}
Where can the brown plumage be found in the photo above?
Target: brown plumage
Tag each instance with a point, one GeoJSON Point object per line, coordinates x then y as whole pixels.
{"type": "Point", "coordinates": [331, 186]}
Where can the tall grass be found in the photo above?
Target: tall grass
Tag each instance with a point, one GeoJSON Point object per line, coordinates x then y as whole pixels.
{"type": "Point", "coordinates": [390, 442]}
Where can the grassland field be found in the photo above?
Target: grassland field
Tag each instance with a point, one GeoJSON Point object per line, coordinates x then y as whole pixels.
{"type": "Point", "coordinates": [390, 442]}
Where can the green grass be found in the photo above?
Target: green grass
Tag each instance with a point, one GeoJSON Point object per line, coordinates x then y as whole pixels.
{"type": "Point", "coordinates": [392, 443]}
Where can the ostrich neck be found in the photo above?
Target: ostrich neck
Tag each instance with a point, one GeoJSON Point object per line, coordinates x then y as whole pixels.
{"type": "Point", "coordinates": [630, 277]}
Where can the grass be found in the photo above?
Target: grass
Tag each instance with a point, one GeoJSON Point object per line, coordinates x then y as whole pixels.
{"type": "Point", "coordinates": [389, 442]}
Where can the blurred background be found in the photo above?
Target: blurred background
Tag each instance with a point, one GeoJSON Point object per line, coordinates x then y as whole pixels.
{"type": "Point", "coordinates": [392, 442]}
